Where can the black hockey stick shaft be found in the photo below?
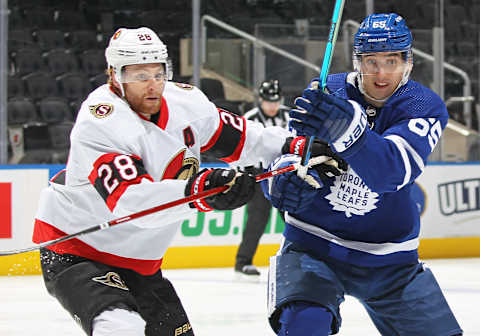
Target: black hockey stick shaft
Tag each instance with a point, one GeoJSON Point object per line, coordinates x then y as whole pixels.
{"type": "Point", "coordinates": [168, 205]}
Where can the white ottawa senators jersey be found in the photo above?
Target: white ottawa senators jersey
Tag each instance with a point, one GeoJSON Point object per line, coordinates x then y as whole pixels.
{"type": "Point", "coordinates": [121, 163]}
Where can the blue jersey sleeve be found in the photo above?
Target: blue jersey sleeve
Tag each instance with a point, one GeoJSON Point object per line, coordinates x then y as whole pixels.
{"type": "Point", "coordinates": [388, 159]}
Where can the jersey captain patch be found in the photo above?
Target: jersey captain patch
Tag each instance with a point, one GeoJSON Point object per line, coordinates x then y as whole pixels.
{"type": "Point", "coordinates": [101, 110]}
{"type": "Point", "coordinates": [188, 137]}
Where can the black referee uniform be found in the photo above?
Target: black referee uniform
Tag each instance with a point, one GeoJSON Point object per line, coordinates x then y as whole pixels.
{"type": "Point", "coordinates": [258, 209]}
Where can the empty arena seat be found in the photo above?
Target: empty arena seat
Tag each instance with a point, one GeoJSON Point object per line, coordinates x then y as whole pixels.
{"type": "Point", "coordinates": [71, 20]}
{"type": "Point", "coordinates": [48, 39]}
{"type": "Point", "coordinates": [54, 110]}
{"type": "Point", "coordinates": [60, 140]}
{"type": "Point", "coordinates": [39, 17]}
{"type": "Point", "coordinates": [39, 85]}
{"type": "Point", "coordinates": [60, 135]}
{"type": "Point", "coordinates": [27, 60]}
{"type": "Point", "coordinates": [36, 136]}
{"type": "Point", "coordinates": [73, 85]}
{"type": "Point", "coordinates": [98, 80]}
{"type": "Point", "coordinates": [80, 40]}
{"type": "Point", "coordinates": [93, 61]}
{"type": "Point", "coordinates": [15, 86]}
{"type": "Point", "coordinates": [75, 107]}
{"type": "Point", "coordinates": [60, 61]}
{"type": "Point", "coordinates": [21, 110]}
{"type": "Point", "coordinates": [19, 38]}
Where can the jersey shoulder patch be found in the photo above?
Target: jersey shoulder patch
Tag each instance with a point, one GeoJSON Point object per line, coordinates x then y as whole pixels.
{"type": "Point", "coordinates": [184, 86]}
{"type": "Point", "coordinates": [108, 120]}
{"type": "Point", "coordinates": [101, 110]}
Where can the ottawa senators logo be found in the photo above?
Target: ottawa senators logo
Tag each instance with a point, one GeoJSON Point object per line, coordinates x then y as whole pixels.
{"type": "Point", "coordinates": [101, 110]}
{"type": "Point", "coordinates": [189, 168]}
{"type": "Point", "coordinates": [184, 86]}
{"type": "Point", "coordinates": [111, 279]}
{"type": "Point", "coordinates": [181, 167]}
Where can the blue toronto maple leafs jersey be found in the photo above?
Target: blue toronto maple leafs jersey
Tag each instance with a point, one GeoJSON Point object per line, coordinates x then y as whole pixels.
{"type": "Point", "coordinates": [366, 216]}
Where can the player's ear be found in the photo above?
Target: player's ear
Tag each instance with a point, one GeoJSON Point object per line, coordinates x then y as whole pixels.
{"type": "Point", "coordinates": [112, 79]}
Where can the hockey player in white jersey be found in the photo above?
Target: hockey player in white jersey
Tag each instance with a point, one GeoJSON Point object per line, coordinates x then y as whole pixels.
{"type": "Point", "coordinates": [136, 144]}
{"type": "Point", "coordinates": [358, 235]}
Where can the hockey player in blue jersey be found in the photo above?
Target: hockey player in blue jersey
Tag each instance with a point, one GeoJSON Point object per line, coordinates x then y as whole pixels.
{"type": "Point", "coordinates": [358, 234]}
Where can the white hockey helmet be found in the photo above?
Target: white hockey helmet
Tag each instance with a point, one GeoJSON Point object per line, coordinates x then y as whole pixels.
{"type": "Point", "coordinates": [136, 46]}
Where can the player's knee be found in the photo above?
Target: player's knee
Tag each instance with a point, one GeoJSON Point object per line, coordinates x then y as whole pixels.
{"type": "Point", "coordinates": [118, 322]}
{"type": "Point", "coordinates": [301, 318]}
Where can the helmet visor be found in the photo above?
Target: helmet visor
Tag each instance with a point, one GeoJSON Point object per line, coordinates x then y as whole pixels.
{"type": "Point", "coordinates": [387, 62]}
{"type": "Point", "coordinates": [142, 76]}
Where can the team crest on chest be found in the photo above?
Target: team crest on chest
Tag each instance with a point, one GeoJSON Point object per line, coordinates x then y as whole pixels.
{"type": "Point", "coordinates": [189, 168]}
{"type": "Point", "coordinates": [351, 195]}
{"type": "Point", "coordinates": [101, 110]}
{"type": "Point", "coordinates": [111, 279]}
{"type": "Point", "coordinates": [181, 167]}
{"type": "Point", "coordinates": [184, 86]}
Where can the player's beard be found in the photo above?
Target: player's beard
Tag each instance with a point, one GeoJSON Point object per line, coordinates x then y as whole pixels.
{"type": "Point", "coordinates": [150, 107]}
{"type": "Point", "coordinates": [142, 105]}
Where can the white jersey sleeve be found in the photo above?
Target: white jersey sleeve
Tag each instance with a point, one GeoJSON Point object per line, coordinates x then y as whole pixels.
{"type": "Point", "coordinates": [220, 133]}
{"type": "Point", "coordinates": [232, 138]}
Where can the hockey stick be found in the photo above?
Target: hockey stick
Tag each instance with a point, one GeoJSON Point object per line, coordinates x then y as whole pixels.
{"type": "Point", "coordinates": [327, 60]}
{"type": "Point", "coordinates": [168, 205]}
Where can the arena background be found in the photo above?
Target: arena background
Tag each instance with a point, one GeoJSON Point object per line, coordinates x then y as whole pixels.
{"type": "Point", "coordinates": [52, 57]}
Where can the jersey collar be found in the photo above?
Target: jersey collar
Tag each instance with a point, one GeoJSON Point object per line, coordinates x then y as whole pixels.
{"type": "Point", "coordinates": [161, 117]}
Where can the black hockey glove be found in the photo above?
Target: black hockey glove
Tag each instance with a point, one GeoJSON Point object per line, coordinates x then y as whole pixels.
{"type": "Point", "coordinates": [242, 188]}
{"type": "Point", "coordinates": [333, 167]}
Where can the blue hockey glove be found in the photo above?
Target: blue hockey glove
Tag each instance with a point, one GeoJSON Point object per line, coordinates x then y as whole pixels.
{"type": "Point", "coordinates": [335, 120]}
{"type": "Point", "coordinates": [289, 192]}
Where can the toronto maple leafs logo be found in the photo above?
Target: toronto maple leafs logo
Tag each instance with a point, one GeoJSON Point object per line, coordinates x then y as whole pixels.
{"type": "Point", "coordinates": [351, 195]}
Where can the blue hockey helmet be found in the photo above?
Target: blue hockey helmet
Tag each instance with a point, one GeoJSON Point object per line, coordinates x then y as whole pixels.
{"type": "Point", "coordinates": [382, 32]}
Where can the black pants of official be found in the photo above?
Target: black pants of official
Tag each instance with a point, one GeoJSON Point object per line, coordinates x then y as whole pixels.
{"type": "Point", "coordinates": [258, 211]}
